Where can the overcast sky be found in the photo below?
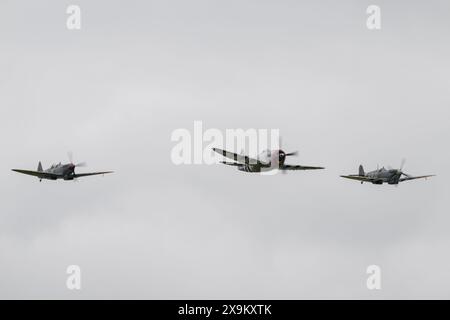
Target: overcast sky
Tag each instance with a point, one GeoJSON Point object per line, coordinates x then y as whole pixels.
{"type": "Point", "coordinates": [113, 93]}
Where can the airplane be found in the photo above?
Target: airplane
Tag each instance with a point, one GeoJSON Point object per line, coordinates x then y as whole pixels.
{"type": "Point", "coordinates": [266, 161]}
{"type": "Point", "coordinates": [383, 175]}
{"type": "Point", "coordinates": [60, 171]}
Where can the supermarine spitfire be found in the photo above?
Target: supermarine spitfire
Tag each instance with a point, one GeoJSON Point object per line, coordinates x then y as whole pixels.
{"type": "Point", "coordinates": [59, 171]}
{"type": "Point", "coordinates": [383, 175]}
{"type": "Point", "coordinates": [266, 161]}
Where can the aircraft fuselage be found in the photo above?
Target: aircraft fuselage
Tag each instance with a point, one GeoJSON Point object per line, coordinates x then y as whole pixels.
{"type": "Point", "coordinates": [380, 176]}
{"type": "Point", "coordinates": [61, 171]}
{"type": "Point", "coordinates": [269, 160]}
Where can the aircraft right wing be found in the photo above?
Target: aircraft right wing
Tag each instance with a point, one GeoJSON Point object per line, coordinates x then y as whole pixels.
{"type": "Point", "coordinates": [298, 167]}
{"type": "Point", "coordinates": [39, 174]}
{"type": "Point", "coordinates": [237, 157]}
{"type": "Point", "coordinates": [79, 175]}
{"type": "Point", "coordinates": [418, 177]}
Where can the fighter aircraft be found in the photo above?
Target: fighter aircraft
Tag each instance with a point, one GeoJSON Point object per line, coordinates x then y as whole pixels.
{"type": "Point", "coordinates": [383, 175]}
{"type": "Point", "coordinates": [59, 171]}
{"type": "Point", "coordinates": [266, 161]}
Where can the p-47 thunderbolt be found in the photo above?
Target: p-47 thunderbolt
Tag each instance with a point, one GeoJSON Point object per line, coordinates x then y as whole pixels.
{"type": "Point", "coordinates": [59, 171]}
{"type": "Point", "coordinates": [266, 161]}
{"type": "Point", "coordinates": [380, 176]}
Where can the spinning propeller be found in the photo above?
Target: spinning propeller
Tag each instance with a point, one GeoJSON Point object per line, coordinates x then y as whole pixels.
{"type": "Point", "coordinates": [283, 155]}
{"type": "Point", "coordinates": [77, 165]}
{"type": "Point", "coordinates": [80, 164]}
{"type": "Point", "coordinates": [399, 172]}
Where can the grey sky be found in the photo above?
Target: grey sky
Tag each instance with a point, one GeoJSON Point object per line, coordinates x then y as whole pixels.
{"type": "Point", "coordinates": [114, 91]}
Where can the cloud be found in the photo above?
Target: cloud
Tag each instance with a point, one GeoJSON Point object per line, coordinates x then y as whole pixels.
{"type": "Point", "coordinates": [114, 92]}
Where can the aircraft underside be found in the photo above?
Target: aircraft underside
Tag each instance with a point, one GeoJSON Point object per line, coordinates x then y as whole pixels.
{"type": "Point", "coordinates": [249, 168]}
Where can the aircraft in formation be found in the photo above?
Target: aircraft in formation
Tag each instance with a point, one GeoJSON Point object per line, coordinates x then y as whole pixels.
{"type": "Point", "coordinates": [383, 175]}
{"type": "Point", "coordinates": [275, 159]}
{"type": "Point", "coordinates": [60, 171]}
{"type": "Point", "coordinates": [266, 161]}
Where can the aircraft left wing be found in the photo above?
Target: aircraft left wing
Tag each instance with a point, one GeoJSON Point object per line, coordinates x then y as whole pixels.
{"type": "Point", "coordinates": [39, 174]}
{"type": "Point", "coordinates": [236, 164]}
{"type": "Point", "coordinates": [298, 167]}
{"type": "Point", "coordinates": [237, 157]}
{"type": "Point", "coordinates": [359, 178]}
{"type": "Point", "coordinates": [79, 175]}
{"type": "Point", "coordinates": [418, 177]}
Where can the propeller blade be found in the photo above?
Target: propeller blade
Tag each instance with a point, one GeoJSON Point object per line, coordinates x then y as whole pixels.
{"type": "Point", "coordinates": [402, 164]}
{"type": "Point", "coordinates": [80, 164]}
{"type": "Point", "coordinates": [70, 155]}
{"type": "Point", "coordinates": [295, 153]}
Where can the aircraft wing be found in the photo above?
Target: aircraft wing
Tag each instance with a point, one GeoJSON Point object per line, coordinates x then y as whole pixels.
{"type": "Point", "coordinates": [359, 178]}
{"type": "Point", "coordinates": [418, 177]}
{"type": "Point", "coordinates": [39, 174]}
{"type": "Point", "coordinates": [236, 164]}
{"type": "Point", "coordinates": [79, 175]}
{"type": "Point", "coordinates": [298, 167]}
{"type": "Point", "coordinates": [236, 157]}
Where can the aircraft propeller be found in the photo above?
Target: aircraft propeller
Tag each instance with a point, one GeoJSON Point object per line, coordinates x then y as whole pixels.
{"type": "Point", "coordinates": [80, 164]}
{"type": "Point", "coordinates": [295, 153]}
{"type": "Point", "coordinates": [77, 165]}
{"type": "Point", "coordinates": [400, 172]}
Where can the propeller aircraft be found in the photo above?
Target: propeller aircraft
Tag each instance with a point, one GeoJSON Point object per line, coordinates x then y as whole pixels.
{"type": "Point", "coordinates": [60, 171]}
{"type": "Point", "coordinates": [383, 175]}
{"type": "Point", "coordinates": [266, 161]}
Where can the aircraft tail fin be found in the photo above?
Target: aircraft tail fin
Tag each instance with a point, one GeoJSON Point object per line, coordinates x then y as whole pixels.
{"type": "Point", "coordinates": [40, 167]}
{"type": "Point", "coordinates": [361, 170]}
